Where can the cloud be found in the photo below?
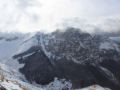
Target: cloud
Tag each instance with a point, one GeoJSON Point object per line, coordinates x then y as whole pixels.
{"type": "Point", "coordinates": [16, 14]}
{"type": "Point", "coordinates": [92, 16]}
{"type": "Point", "coordinates": [105, 25]}
{"type": "Point", "coordinates": [23, 4]}
{"type": "Point", "coordinates": [108, 34]}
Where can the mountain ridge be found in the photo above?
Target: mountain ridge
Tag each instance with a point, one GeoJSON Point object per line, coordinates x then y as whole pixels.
{"type": "Point", "coordinates": [72, 55]}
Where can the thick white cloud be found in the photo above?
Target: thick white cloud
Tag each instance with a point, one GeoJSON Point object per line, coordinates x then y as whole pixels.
{"type": "Point", "coordinates": [46, 15]}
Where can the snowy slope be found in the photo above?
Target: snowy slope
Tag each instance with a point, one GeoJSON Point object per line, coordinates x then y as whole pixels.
{"type": "Point", "coordinates": [16, 84]}
{"type": "Point", "coordinates": [10, 47]}
{"type": "Point", "coordinates": [57, 44]}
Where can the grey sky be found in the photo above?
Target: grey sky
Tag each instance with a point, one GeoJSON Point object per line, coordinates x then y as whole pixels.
{"type": "Point", "coordinates": [93, 16]}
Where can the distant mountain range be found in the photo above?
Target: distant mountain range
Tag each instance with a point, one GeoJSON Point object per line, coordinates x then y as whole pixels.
{"type": "Point", "coordinates": [117, 41]}
{"type": "Point", "coordinates": [72, 55]}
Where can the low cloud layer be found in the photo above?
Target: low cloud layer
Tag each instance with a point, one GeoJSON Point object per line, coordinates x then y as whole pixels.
{"type": "Point", "coordinates": [112, 34]}
{"type": "Point", "coordinates": [93, 16]}
{"type": "Point", "coordinates": [11, 35]}
{"type": "Point", "coordinates": [109, 26]}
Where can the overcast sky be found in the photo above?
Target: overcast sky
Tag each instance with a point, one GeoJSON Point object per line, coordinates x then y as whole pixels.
{"type": "Point", "coordinates": [93, 16]}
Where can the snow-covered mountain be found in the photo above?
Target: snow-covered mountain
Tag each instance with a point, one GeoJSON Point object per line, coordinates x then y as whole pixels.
{"type": "Point", "coordinates": [72, 55]}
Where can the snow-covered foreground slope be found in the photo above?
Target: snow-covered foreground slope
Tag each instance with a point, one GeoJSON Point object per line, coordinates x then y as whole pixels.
{"type": "Point", "coordinates": [16, 84]}
{"type": "Point", "coordinates": [72, 55]}
{"type": "Point", "coordinates": [94, 87]}
{"type": "Point", "coordinates": [12, 83]}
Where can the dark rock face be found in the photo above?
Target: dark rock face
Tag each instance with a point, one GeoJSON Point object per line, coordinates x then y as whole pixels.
{"type": "Point", "coordinates": [42, 70]}
{"type": "Point", "coordinates": [38, 67]}
{"type": "Point", "coordinates": [75, 56]}
{"type": "Point", "coordinates": [2, 88]}
{"type": "Point", "coordinates": [11, 39]}
{"type": "Point", "coordinates": [1, 38]}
